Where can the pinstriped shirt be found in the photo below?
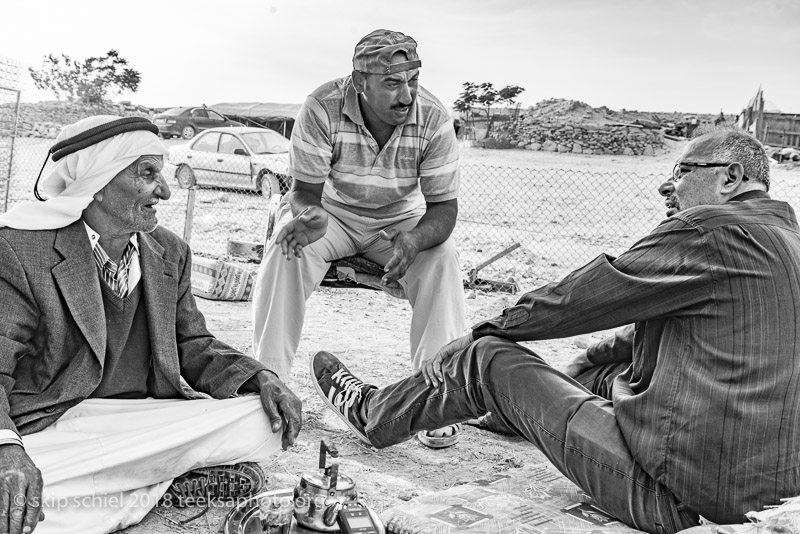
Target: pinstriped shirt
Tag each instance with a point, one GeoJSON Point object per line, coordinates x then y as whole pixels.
{"type": "Point", "coordinates": [134, 266]}
{"type": "Point", "coordinates": [710, 405]}
{"type": "Point", "coordinates": [331, 145]}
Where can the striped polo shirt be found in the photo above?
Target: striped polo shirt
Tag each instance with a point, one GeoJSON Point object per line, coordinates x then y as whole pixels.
{"type": "Point", "coordinates": [331, 145]}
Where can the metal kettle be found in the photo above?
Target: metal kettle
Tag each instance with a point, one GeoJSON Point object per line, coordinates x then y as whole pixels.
{"type": "Point", "coordinates": [319, 495]}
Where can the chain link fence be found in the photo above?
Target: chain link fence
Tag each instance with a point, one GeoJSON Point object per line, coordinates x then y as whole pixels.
{"type": "Point", "coordinates": [561, 219]}
{"type": "Point", "coordinates": [9, 111]}
{"type": "Point", "coordinates": [9, 101]}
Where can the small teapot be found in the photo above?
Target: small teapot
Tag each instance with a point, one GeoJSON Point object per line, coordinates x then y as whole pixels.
{"type": "Point", "coordinates": [319, 495]}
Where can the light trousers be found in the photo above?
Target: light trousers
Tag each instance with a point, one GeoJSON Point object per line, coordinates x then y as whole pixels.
{"type": "Point", "coordinates": [106, 462]}
{"type": "Point", "coordinates": [433, 285]}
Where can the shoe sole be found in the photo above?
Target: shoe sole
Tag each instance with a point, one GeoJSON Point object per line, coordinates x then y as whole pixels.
{"type": "Point", "coordinates": [324, 397]}
{"type": "Point", "coordinates": [218, 484]}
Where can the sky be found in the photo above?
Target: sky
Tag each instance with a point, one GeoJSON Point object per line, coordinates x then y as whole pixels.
{"type": "Point", "coordinates": [701, 56]}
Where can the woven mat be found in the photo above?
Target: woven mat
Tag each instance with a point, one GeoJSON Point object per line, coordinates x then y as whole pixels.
{"type": "Point", "coordinates": [534, 499]}
{"type": "Point", "coordinates": [537, 499]}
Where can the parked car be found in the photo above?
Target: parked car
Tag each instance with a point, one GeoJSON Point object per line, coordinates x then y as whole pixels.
{"type": "Point", "coordinates": [238, 157]}
{"type": "Point", "coordinates": [188, 122]}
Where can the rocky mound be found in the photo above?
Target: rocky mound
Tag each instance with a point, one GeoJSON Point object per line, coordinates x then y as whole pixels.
{"type": "Point", "coordinates": [45, 119]}
{"type": "Point", "coordinates": [560, 125]}
{"type": "Point", "coordinates": [558, 110]}
{"type": "Point", "coordinates": [577, 112]}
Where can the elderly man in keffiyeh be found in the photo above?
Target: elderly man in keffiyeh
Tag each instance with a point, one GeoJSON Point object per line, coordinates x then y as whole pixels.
{"type": "Point", "coordinates": [110, 384]}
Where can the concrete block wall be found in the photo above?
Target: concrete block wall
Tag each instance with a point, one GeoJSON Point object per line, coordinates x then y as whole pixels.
{"type": "Point", "coordinates": [584, 138]}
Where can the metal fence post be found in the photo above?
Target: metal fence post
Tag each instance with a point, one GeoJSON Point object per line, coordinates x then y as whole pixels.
{"type": "Point", "coordinates": [187, 225]}
{"type": "Point", "coordinates": [11, 156]}
{"type": "Point", "coordinates": [11, 148]}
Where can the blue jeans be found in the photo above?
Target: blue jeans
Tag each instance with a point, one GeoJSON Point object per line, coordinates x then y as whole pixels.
{"type": "Point", "coordinates": [571, 421]}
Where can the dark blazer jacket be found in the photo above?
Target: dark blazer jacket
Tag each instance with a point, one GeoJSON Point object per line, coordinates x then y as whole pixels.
{"type": "Point", "coordinates": [53, 335]}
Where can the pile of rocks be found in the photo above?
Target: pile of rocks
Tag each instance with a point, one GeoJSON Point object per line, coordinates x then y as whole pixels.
{"type": "Point", "coordinates": [45, 119]}
{"type": "Point", "coordinates": [559, 125]}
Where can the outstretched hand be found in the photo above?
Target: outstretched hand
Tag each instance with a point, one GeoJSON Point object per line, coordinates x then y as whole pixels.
{"type": "Point", "coordinates": [307, 227]}
{"type": "Point", "coordinates": [405, 252]}
{"type": "Point", "coordinates": [432, 369]}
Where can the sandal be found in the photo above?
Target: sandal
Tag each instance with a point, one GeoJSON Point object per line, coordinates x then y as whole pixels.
{"type": "Point", "coordinates": [443, 437]}
{"type": "Point", "coordinates": [492, 423]}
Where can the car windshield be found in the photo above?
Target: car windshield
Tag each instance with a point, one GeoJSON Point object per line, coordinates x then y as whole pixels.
{"type": "Point", "coordinates": [173, 111]}
{"type": "Point", "coordinates": [266, 142]}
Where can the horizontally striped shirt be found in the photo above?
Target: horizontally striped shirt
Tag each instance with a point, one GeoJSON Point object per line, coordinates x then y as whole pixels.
{"type": "Point", "coordinates": [710, 406]}
{"type": "Point", "coordinates": [331, 144]}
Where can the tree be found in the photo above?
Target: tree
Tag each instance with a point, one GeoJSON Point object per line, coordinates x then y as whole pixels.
{"type": "Point", "coordinates": [466, 100]}
{"type": "Point", "coordinates": [91, 81]}
{"type": "Point", "coordinates": [484, 95]}
{"type": "Point", "coordinates": [58, 74]}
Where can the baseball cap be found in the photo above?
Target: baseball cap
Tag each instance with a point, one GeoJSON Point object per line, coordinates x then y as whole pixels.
{"type": "Point", "coordinates": [374, 53]}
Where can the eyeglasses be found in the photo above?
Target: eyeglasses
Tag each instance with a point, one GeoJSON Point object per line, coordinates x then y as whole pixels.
{"type": "Point", "coordinates": [680, 169]}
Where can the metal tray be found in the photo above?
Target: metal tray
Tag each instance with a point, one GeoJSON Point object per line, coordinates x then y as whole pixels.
{"type": "Point", "coordinates": [245, 518]}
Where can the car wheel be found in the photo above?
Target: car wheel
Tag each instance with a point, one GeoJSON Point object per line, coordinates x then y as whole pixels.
{"type": "Point", "coordinates": [188, 132]}
{"type": "Point", "coordinates": [185, 176]}
{"type": "Point", "coordinates": [268, 184]}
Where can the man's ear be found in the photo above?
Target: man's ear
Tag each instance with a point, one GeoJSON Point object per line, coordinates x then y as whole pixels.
{"type": "Point", "coordinates": [734, 175]}
{"type": "Point", "coordinates": [359, 81]}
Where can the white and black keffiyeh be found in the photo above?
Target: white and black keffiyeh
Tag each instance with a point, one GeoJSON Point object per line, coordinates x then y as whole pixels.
{"type": "Point", "coordinates": [77, 176]}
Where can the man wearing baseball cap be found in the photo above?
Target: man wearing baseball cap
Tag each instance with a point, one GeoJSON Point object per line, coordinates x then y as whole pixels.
{"type": "Point", "coordinates": [374, 162]}
{"type": "Point", "coordinates": [109, 380]}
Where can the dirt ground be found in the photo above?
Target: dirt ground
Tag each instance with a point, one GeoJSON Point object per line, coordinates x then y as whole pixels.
{"type": "Point", "coordinates": [369, 331]}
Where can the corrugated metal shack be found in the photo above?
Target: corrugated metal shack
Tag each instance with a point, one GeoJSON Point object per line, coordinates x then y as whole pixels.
{"type": "Point", "coordinates": [772, 128]}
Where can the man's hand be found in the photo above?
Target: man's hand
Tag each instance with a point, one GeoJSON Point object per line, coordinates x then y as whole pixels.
{"type": "Point", "coordinates": [578, 365]}
{"type": "Point", "coordinates": [406, 249]}
{"type": "Point", "coordinates": [282, 406]}
{"type": "Point", "coordinates": [20, 491]}
{"type": "Point", "coordinates": [304, 229]}
{"type": "Point", "coordinates": [432, 369]}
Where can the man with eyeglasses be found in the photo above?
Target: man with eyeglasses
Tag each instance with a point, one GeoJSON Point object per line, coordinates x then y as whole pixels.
{"type": "Point", "coordinates": [374, 162]}
{"type": "Point", "coordinates": [691, 409]}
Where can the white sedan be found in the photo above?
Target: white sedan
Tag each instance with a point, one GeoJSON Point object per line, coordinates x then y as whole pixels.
{"type": "Point", "coordinates": [238, 157]}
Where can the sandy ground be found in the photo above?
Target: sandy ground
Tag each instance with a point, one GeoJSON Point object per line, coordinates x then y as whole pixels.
{"type": "Point", "coordinates": [369, 330]}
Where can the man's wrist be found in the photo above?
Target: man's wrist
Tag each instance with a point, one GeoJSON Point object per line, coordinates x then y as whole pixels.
{"type": "Point", "coordinates": [265, 375]}
{"type": "Point", "coordinates": [474, 334]}
{"type": "Point", "coordinates": [254, 383]}
{"type": "Point", "coordinates": [300, 202]}
{"type": "Point", "coordinates": [418, 241]}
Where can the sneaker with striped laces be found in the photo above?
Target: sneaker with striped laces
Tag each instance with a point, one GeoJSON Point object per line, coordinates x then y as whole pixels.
{"type": "Point", "coordinates": [341, 390]}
